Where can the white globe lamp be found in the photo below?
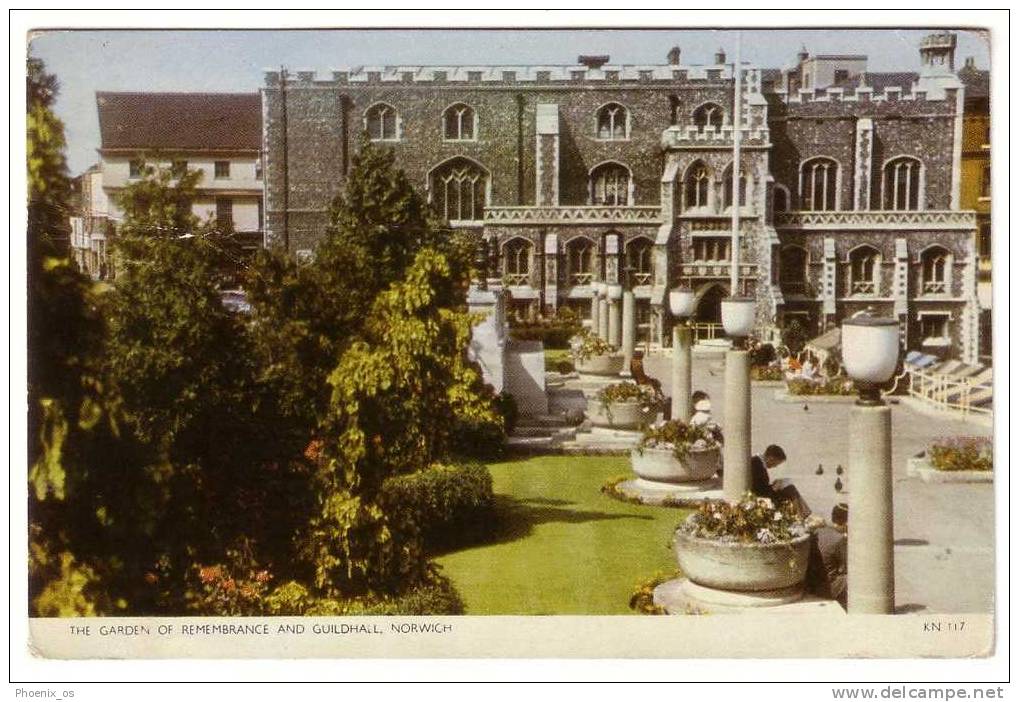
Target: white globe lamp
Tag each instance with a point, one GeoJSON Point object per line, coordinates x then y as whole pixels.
{"type": "Point", "coordinates": [870, 354]}
{"type": "Point", "coordinates": [738, 316]}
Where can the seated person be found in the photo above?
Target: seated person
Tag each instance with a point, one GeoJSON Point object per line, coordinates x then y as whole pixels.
{"type": "Point", "coordinates": [827, 569]}
{"type": "Point", "coordinates": [779, 492]}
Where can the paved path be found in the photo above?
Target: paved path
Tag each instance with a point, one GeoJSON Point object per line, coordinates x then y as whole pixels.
{"type": "Point", "coordinates": [944, 534]}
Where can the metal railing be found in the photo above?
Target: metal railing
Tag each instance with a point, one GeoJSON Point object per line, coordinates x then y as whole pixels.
{"type": "Point", "coordinates": [705, 331]}
{"type": "Point", "coordinates": [948, 392]}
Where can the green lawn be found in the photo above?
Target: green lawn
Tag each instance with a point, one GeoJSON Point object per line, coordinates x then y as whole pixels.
{"type": "Point", "coordinates": [561, 546]}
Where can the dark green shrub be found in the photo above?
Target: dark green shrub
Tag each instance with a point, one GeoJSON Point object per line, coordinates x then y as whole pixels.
{"type": "Point", "coordinates": [794, 336]}
{"type": "Point", "coordinates": [553, 336]}
{"type": "Point", "coordinates": [506, 405]}
{"type": "Point", "coordinates": [434, 595]}
{"type": "Point", "coordinates": [762, 355]}
{"type": "Point", "coordinates": [440, 501]}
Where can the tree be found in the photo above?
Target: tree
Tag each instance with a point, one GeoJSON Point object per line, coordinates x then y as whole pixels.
{"type": "Point", "coordinates": [398, 394]}
{"type": "Point", "coordinates": [75, 447]}
{"type": "Point", "coordinates": [306, 315]}
{"type": "Point", "coordinates": [48, 184]}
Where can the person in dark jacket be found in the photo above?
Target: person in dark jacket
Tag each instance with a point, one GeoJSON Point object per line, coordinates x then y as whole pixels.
{"type": "Point", "coordinates": [827, 570]}
{"type": "Point", "coordinates": [762, 485]}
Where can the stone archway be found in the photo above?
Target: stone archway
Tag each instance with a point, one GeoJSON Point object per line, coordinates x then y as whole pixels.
{"type": "Point", "coordinates": [708, 303]}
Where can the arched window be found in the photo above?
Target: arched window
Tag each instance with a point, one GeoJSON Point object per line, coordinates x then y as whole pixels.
{"type": "Point", "coordinates": [639, 260]}
{"type": "Point", "coordinates": [458, 188]}
{"type": "Point", "coordinates": [380, 122]}
{"type": "Point", "coordinates": [864, 266]}
{"type": "Point", "coordinates": [935, 264]}
{"type": "Point", "coordinates": [516, 262]}
{"type": "Point", "coordinates": [458, 123]}
{"type": "Point", "coordinates": [610, 185]}
{"type": "Point", "coordinates": [695, 191]}
{"type": "Point", "coordinates": [780, 199]}
{"type": "Point", "coordinates": [901, 189]}
{"type": "Point", "coordinates": [792, 269]}
{"type": "Point", "coordinates": [613, 122]}
{"type": "Point", "coordinates": [727, 186]}
{"type": "Point", "coordinates": [819, 184]}
{"type": "Point", "coordinates": [708, 116]}
{"type": "Point", "coordinates": [580, 260]}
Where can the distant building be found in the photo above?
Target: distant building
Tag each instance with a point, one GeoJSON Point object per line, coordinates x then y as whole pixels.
{"type": "Point", "coordinates": [976, 184]}
{"type": "Point", "coordinates": [217, 133]}
{"type": "Point", "coordinates": [90, 228]}
{"type": "Point", "coordinates": [849, 199]}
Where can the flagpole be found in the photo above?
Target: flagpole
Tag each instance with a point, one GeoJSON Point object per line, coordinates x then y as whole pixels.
{"type": "Point", "coordinates": [737, 118]}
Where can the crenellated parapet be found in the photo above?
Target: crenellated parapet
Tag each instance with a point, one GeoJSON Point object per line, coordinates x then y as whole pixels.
{"type": "Point", "coordinates": [509, 75]}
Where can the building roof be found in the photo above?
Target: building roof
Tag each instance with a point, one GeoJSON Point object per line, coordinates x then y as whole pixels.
{"type": "Point", "coordinates": [180, 121]}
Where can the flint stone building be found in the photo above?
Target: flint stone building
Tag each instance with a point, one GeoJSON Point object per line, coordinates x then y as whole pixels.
{"type": "Point", "coordinates": [597, 172]}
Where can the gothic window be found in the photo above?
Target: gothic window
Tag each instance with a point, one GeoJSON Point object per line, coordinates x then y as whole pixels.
{"type": "Point", "coordinates": [612, 122]}
{"type": "Point", "coordinates": [638, 261]}
{"type": "Point", "coordinates": [711, 249]}
{"type": "Point", "coordinates": [792, 269]}
{"type": "Point", "coordinates": [708, 116]}
{"type": "Point", "coordinates": [934, 264]}
{"type": "Point", "coordinates": [516, 258]}
{"type": "Point", "coordinates": [580, 260]}
{"type": "Point", "coordinates": [901, 184]}
{"type": "Point", "coordinates": [863, 271]}
{"type": "Point", "coordinates": [458, 123]}
{"type": "Point", "coordinates": [380, 121]}
{"type": "Point", "coordinates": [610, 185]}
{"type": "Point", "coordinates": [818, 184]}
{"type": "Point", "coordinates": [458, 189]}
{"type": "Point", "coordinates": [696, 187]}
{"type": "Point", "coordinates": [780, 199]}
{"type": "Point", "coordinates": [727, 185]}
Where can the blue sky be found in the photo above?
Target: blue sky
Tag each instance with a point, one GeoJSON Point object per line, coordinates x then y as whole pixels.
{"type": "Point", "coordinates": [232, 61]}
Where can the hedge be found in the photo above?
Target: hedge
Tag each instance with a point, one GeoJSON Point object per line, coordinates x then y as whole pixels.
{"type": "Point", "coordinates": [444, 501]}
{"type": "Point", "coordinates": [553, 336]}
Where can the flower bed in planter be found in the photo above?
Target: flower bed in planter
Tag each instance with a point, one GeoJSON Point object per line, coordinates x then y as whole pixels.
{"type": "Point", "coordinates": [676, 452]}
{"type": "Point", "coordinates": [607, 364]}
{"type": "Point", "coordinates": [838, 386]}
{"type": "Point", "coordinates": [623, 406]}
{"type": "Point", "coordinates": [960, 459]}
{"type": "Point", "coordinates": [594, 356]}
{"type": "Point", "coordinates": [751, 546]}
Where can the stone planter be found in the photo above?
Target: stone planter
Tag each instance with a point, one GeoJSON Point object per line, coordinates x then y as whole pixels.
{"type": "Point", "coordinates": [619, 415]}
{"type": "Point", "coordinates": [743, 567]}
{"type": "Point", "coordinates": [660, 465]}
{"type": "Point", "coordinates": [608, 364]}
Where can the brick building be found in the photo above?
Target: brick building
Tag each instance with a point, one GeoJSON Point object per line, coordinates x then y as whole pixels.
{"type": "Point", "coordinates": [976, 184]}
{"type": "Point", "coordinates": [598, 172]}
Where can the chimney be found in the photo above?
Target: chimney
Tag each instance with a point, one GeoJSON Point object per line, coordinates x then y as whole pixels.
{"type": "Point", "coordinates": [720, 56]}
{"type": "Point", "coordinates": [673, 56]}
{"type": "Point", "coordinates": [593, 62]}
{"type": "Point", "coordinates": [971, 63]}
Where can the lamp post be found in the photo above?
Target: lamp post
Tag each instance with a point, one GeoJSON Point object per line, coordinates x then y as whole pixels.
{"type": "Point", "coordinates": [738, 321]}
{"type": "Point", "coordinates": [681, 304]}
{"type": "Point", "coordinates": [594, 308]}
{"type": "Point", "coordinates": [603, 312]}
{"type": "Point", "coordinates": [615, 294]}
{"type": "Point", "coordinates": [870, 353]}
{"type": "Point", "coordinates": [629, 322]}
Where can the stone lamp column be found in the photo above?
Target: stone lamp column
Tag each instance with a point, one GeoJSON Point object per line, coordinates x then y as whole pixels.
{"type": "Point", "coordinates": [681, 304]}
{"type": "Point", "coordinates": [629, 330]}
{"type": "Point", "coordinates": [603, 312]}
{"type": "Point", "coordinates": [738, 320]}
{"type": "Point", "coordinates": [594, 308]}
{"type": "Point", "coordinates": [615, 314]}
{"type": "Point", "coordinates": [870, 351]}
